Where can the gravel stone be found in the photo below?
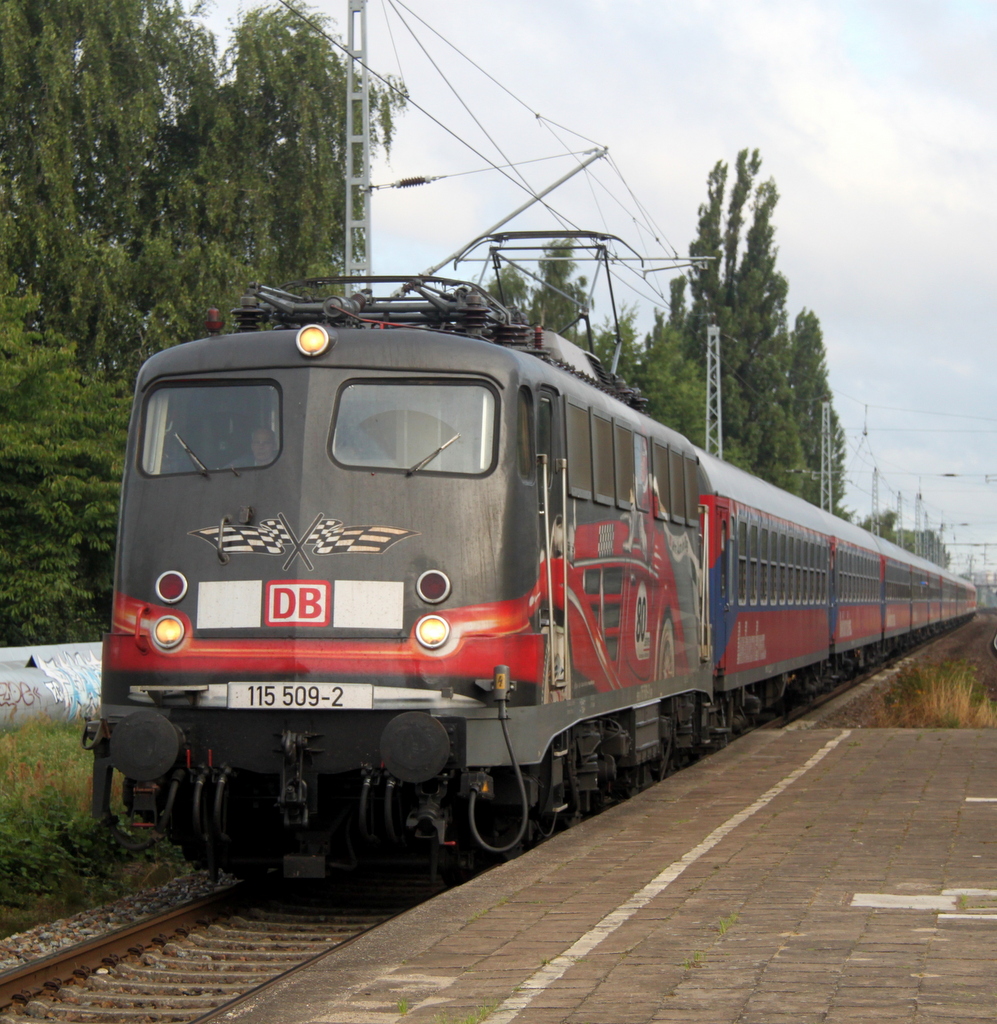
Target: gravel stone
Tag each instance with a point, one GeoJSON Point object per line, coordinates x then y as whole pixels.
{"type": "Point", "coordinates": [44, 939]}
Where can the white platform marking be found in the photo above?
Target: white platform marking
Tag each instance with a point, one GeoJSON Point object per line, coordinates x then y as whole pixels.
{"type": "Point", "coordinates": [557, 967]}
{"type": "Point", "coordinates": [981, 799]}
{"type": "Point", "coordinates": [884, 901]}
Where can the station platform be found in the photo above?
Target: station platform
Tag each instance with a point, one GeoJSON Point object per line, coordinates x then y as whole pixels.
{"type": "Point", "coordinates": [803, 875]}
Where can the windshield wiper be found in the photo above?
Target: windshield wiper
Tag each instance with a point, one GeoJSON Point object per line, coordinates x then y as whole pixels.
{"type": "Point", "coordinates": [432, 455]}
{"type": "Point", "coordinates": [201, 467]}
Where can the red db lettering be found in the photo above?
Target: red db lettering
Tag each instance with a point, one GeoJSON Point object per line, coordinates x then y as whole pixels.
{"type": "Point", "coordinates": [298, 603]}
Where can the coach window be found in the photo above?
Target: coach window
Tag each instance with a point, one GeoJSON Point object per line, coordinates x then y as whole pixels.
{"type": "Point", "coordinates": [742, 562]}
{"type": "Point", "coordinates": [642, 474]}
{"type": "Point", "coordinates": [525, 460]}
{"type": "Point", "coordinates": [579, 451]}
{"type": "Point", "coordinates": [782, 568]}
{"type": "Point", "coordinates": [676, 478]}
{"type": "Point", "coordinates": [623, 442]}
{"type": "Point", "coordinates": [754, 564]}
{"type": "Point", "coordinates": [604, 486]}
{"type": "Point", "coordinates": [200, 428]}
{"type": "Point", "coordinates": [659, 475]}
{"type": "Point", "coordinates": [798, 572]}
{"type": "Point", "coordinates": [763, 564]}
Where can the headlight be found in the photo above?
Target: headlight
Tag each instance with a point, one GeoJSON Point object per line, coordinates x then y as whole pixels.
{"type": "Point", "coordinates": [432, 631]}
{"type": "Point", "coordinates": [312, 340]}
{"type": "Point", "coordinates": [167, 632]}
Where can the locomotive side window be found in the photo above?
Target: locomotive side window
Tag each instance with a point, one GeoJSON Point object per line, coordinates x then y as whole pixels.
{"type": "Point", "coordinates": [676, 477]}
{"type": "Point", "coordinates": [662, 496]}
{"type": "Point", "coordinates": [199, 428]}
{"type": "Point", "coordinates": [623, 442]}
{"type": "Point", "coordinates": [525, 459]}
{"type": "Point", "coordinates": [603, 477]}
{"type": "Point", "coordinates": [579, 452]}
{"type": "Point", "coordinates": [642, 480]}
{"type": "Point", "coordinates": [398, 425]}
{"type": "Point", "coordinates": [691, 492]}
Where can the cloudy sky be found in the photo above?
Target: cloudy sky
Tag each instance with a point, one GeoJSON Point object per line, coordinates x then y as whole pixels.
{"type": "Point", "coordinates": [876, 118]}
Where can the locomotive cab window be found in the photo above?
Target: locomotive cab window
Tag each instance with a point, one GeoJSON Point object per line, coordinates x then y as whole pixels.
{"type": "Point", "coordinates": [525, 459]}
{"type": "Point", "coordinates": [200, 428]}
{"type": "Point", "coordinates": [429, 427]}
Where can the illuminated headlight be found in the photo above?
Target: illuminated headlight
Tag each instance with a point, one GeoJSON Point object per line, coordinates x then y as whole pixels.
{"type": "Point", "coordinates": [312, 340]}
{"type": "Point", "coordinates": [167, 632]}
{"type": "Point", "coordinates": [432, 631]}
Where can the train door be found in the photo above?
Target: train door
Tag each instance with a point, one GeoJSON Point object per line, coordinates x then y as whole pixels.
{"type": "Point", "coordinates": [552, 485]}
{"type": "Point", "coordinates": [723, 577]}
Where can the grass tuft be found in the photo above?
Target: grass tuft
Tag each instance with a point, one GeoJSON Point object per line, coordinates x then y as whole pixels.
{"type": "Point", "coordinates": [943, 696]}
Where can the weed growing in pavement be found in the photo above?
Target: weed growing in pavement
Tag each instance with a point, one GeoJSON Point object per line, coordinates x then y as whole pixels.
{"type": "Point", "coordinates": [944, 696]}
{"type": "Point", "coordinates": [54, 858]}
{"type": "Point", "coordinates": [725, 923]}
{"type": "Point", "coordinates": [694, 961]}
{"type": "Point", "coordinates": [474, 1017]}
{"type": "Point", "coordinates": [402, 1007]}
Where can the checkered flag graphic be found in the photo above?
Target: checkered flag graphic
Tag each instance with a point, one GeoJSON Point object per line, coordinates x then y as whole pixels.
{"type": "Point", "coordinates": [248, 540]}
{"type": "Point", "coordinates": [324, 536]}
{"type": "Point", "coordinates": [360, 539]}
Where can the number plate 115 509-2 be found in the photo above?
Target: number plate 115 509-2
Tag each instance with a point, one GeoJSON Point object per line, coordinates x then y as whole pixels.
{"type": "Point", "coordinates": [264, 696]}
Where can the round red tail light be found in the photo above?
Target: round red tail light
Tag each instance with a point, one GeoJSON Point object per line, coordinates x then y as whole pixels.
{"type": "Point", "coordinates": [433, 586]}
{"type": "Point", "coordinates": [171, 587]}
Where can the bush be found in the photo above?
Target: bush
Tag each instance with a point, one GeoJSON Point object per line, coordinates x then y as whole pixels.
{"type": "Point", "coordinates": [54, 858]}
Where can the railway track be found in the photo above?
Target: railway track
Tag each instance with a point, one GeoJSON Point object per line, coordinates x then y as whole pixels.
{"type": "Point", "coordinates": [193, 960]}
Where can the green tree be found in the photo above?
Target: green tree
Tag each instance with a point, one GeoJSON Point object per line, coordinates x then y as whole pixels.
{"type": "Point", "coordinates": [810, 388]}
{"type": "Point", "coordinates": [60, 463]}
{"type": "Point", "coordinates": [773, 377]}
{"type": "Point", "coordinates": [146, 178]}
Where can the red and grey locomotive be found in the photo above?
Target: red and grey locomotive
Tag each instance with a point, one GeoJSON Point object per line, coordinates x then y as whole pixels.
{"type": "Point", "coordinates": [401, 572]}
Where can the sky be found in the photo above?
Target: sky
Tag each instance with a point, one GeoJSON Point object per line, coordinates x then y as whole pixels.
{"type": "Point", "coordinates": [877, 120]}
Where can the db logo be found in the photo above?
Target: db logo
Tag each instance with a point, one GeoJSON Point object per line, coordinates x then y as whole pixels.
{"type": "Point", "coordinates": [298, 603]}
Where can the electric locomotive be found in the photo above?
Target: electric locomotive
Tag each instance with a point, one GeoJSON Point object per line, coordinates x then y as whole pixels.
{"type": "Point", "coordinates": [395, 573]}
{"type": "Point", "coordinates": [400, 574]}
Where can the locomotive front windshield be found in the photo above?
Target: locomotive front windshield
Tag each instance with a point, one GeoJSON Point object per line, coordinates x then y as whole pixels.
{"type": "Point", "coordinates": [430, 428]}
{"type": "Point", "coordinates": [198, 428]}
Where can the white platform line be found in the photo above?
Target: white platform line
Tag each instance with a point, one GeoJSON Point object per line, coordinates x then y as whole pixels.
{"type": "Point", "coordinates": [549, 973]}
{"type": "Point", "coordinates": [981, 799]}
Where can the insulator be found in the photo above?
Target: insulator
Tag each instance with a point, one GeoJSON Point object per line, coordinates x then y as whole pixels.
{"type": "Point", "coordinates": [409, 182]}
{"type": "Point", "coordinates": [249, 316]}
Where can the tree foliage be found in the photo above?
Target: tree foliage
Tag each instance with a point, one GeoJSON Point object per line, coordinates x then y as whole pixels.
{"type": "Point", "coordinates": [143, 177]}
{"type": "Point", "coordinates": [60, 462]}
{"type": "Point", "coordinates": [774, 377]}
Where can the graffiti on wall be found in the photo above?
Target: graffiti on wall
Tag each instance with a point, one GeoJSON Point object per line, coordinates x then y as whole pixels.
{"type": "Point", "coordinates": [74, 681]}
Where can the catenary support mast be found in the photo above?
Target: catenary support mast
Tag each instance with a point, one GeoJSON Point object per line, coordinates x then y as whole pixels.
{"type": "Point", "coordinates": [357, 254]}
{"type": "Point", "coordinates": [714, 398]}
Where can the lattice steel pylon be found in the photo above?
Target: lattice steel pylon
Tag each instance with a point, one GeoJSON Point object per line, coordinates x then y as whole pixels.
{"type": "Point", "coordinates": [900, 519]}
{"type": "Point", "coordinates": [826, 484]}
{"type": "Point", "coordinates": [918, 530]}
{"type": "Point", "coordinates": [356, 253]}
{"type": "Point", "coordinates": [875, 501]}
{"type": "Point", "coordinates": [714, 396]}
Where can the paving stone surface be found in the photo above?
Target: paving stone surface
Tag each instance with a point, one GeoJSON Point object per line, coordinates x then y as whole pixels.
{"type": "Point", "coordinates": [759, 928]}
